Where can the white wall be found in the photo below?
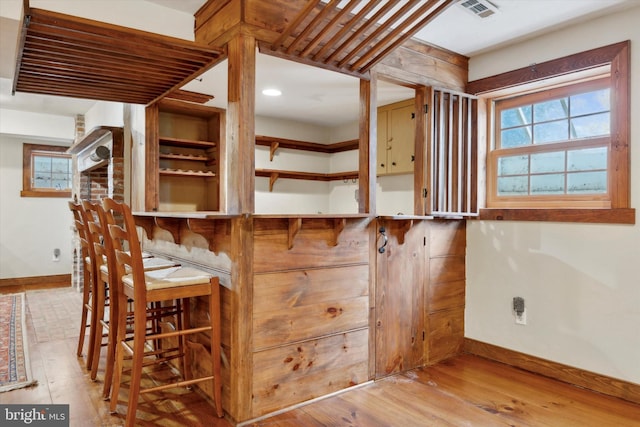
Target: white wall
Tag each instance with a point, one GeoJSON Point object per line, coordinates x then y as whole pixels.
{"type": "Point", "coordinates": [288, 195]}
{"type": "Point", "coordinates": [138, 14]}
{"type": "Point", "coordinates": [30, 227]}
{"type": "Point", "coordinates": [37, 125]}
{"type": "Point", "coordinates": [580, 281]}
{"type": "Point", "coordinates": [104, 113]}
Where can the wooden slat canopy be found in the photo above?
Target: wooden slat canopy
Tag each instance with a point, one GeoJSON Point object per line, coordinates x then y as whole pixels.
{"type": "Point", "coordinates": [355, 37]}
{"type": "Point", "coordinates": [69, 56]}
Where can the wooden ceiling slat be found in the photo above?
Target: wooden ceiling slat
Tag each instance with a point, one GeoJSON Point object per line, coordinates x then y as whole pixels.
{"type": "Point", "coordinates": [70, 56]}
{"type": "Point", "coordinates": [364, 27]}
{"type": "Point", "coordinates": [404, 37]}
{"type": "Point", "coordinates": [134, 72]}
{"type": "Point", "coordinates": [294, 24]}
{"type": "Point", "coordinates": [70, 81]}
{"type": "Point", "coordinates": [345, 29]}
{"type": "Point", "coordinates": [115, 77]}
{"type": "Point", "coordinates": [71, 88]}
{"type": "Point", "coordinates": [88, 29]}
{"type": "Point", "coordinates": [395, 34]}
{"type": "Point", "coordinates": [379, 30]}
{"type": "Point", "coordinates": [329, 7]}
{"type": "Point", "coordinates": [85, 50]}
{"type": "Point", "coordinates": [44, 81]}
{"type": "Point", "coordinates": [110, 44]}
{"type": "Point", "coordinates": [329, 27]}
{"type": "Point", "coordinates": [102, 95]}
{"type": "Point", "coordinates": [59, 54]}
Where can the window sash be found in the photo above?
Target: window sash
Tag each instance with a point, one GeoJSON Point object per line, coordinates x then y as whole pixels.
{"type": "Point", "coordinates": [559, 198]}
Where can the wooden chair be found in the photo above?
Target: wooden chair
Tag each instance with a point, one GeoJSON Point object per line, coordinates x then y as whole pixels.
{"type": "Point", "coordinates": [88, 316]}
{"type": "Point", "coordinates": [174, 284]}
{"type": "Point", "coordinates": [97, 224]}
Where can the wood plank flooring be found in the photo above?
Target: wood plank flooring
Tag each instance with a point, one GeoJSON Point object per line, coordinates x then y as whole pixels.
{"type": "Point", "coordinates": [465, 391]}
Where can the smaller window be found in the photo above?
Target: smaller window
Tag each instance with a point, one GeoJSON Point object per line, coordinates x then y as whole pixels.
{"type": "Point", "coordinates": [46, 171]}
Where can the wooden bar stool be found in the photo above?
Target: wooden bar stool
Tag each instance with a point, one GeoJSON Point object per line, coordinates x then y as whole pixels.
{"type": "Point", "coordinates": [88, 316]}
{"type": "Point", "coordinates": [97, 224]}
{"type": "Point", "coordinates": [172, 284]}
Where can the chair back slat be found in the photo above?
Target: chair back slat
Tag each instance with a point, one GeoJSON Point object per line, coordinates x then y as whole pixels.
{"type": "Point", "coordinates": [124, 239]}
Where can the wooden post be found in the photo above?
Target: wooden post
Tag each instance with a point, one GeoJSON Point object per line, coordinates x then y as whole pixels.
{"type": "Point", "coordinates": [241, 383]}
{"type": "Point", "coordinates": [420, 180]}
{"type": "Point", "coordinates": [368, 145]}
{"type": "Point", "coordinates": [240, 141]}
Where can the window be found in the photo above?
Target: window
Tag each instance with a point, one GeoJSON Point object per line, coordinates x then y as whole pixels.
{"type": "Point", "coordinates": [46, 171]}
{"type": "Point", "coordinates": [558, 139]}
{"type": "Point", "coordinates": [551, 148]}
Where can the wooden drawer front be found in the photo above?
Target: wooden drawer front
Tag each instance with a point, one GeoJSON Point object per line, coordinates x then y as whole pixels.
{"type": "Point", "coordinates": [446, 334]}
{"type": "Point", "coordinates": [284, 376]}
{"type": "Point", "coordinates": [445, 295]}
{"type": "Point", "coordinates": [301, 305]}
{"type": "Point", "coordinates": [312, 246]}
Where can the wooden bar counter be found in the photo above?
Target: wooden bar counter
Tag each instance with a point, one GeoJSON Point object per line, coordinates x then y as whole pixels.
{"type": "Point", "coordinates": [297, 300]}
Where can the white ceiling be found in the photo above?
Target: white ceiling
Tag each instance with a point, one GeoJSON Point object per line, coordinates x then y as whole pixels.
{"type": "Point", "coordinates": [322, 97]}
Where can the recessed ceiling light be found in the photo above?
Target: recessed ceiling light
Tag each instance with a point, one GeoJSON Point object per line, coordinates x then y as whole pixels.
{"type": "Point", "coordinates": [272, 92]}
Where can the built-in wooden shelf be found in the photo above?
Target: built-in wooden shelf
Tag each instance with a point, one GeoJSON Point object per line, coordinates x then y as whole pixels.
{"type": "Point", "coordinates": [191, 143]}
{"type": "Point", "coordinates": [194, 173]}
{"type": "Point", "coordinates": [274, 174]}
{"type": "Point", "coordinates": [187, 157]}
{"type": "Point", "coordinates": [275, 143]}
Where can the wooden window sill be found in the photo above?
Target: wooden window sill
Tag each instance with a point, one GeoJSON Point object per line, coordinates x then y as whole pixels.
{"type": "Point", "coordinates": [604, 216]}
{"type": "Point", "coordinates": [44, 193]}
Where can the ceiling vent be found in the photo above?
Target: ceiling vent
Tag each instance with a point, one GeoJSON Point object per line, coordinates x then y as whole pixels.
{"type": "Point", "coordinates": [480, 8]}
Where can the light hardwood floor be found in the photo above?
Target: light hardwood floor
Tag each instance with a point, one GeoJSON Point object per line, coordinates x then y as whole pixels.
{"type": "Point", "coordinates": [465, 391]}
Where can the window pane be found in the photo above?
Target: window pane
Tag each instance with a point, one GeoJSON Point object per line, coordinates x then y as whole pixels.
{"type": "Point", "coordinates": [547, 184]}
{"type": "Point", "coordinates": [515, 137]}
{"type": "Point", "coordinates": [587, 159]}
{"type": "Point", "coordinates": [589, 126]}
{"type": "Point", "coordinates": [587, 182]}
{"type": "Point", "coordinates": [550, 110]}
{"type": "Point", "coordinates": [41, 164]}
{"type": "Point", "coordinates": [547, 162]}
{"type": "Point", "coordinates": [60, 164]}
{"type": "Point", "coordinates": [516, 117]}
{"type": "Point", "coordinates": [513, 165]}
{"type": "Point", "coordinates": [590, 102]}
{"type": "Point", "coordinates": [551, 132]}
{"type": "Point", "coordinates": [60, 184]}
{"type": "Point", "coordinates": [42, 181]}
{"type": "Point", "coordinates": [513, 186]}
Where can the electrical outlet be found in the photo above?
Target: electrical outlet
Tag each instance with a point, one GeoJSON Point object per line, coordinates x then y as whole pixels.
{"type": "Point", "coordinates": [519, 311]}
{"type": "Point", "coordinates": [521, 319]}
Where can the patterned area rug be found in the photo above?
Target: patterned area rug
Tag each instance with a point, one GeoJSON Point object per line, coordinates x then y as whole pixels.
{"type": "Point", "coordinates": [15, 371]}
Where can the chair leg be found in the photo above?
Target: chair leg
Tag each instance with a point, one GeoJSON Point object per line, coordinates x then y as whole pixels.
{"type": "Point", "coordinates": [184, 321]}
{"type": "Point", "coordinates": [139, 329]}
{"type": "Point", "coordinates": [83, 320]}
{"type": "Point", "coordinates": [97, 340]}
{"type": "Point", "coordinates": [119, 352]}
{"type": "Point", "coordinates": [214, 312]}
{"type": "Point", "coordinates": [112, 342]}
{"type": "Point", "coordinates": [93, 328]}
